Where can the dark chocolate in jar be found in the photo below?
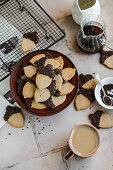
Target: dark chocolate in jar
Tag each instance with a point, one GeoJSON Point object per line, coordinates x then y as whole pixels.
{"type": "Point", "coordinates": [93, 40]}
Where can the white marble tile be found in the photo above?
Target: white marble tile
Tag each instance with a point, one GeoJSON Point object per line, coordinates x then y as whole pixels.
{"type": "Point", "coordinates": [16, 145]}
{"type": "Point", "coordinates": [50, 162]}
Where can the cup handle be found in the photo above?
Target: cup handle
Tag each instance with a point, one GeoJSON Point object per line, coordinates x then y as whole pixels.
{"type": "Point", "coordinates": [69, 155]}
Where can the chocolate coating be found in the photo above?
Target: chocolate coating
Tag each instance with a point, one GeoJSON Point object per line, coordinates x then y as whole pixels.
{"type": "Point", "coordinates": [95, 118]}
{"type": "Point", "coordinates": [10, 111]}
{"type": "Point", "coordinates": [20, 85]}
{"type": "Point", "coordinates": [31, 81]}
{"type": "Point", "coordinates": [58, 71]}
{"type": "Point", "coordinates": [89, 93]}
{"type": "Point", "coordinates": [46, 70]}
{"type": "Point", "coordinates": [29, 101]}
{"type": "Point", "coordinates": [57, 93]}
{"type": "Point", "coordinates": [105, 55]}
{"type": "Point", "coordinates": [32, 36]}
{"type": "Point", "coordinates": [49, 103]}
{"type": "Point", "coordinates": [21, 73]}
{"type": "Point", "coordinates": [52, 87]}
{"type": "Point", "coordinates": [41, 62]}
{"type": "Point", "coordinates": [84, 78]}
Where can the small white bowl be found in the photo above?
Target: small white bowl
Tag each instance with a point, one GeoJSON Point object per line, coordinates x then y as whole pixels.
{"type": "Point", "coordinates": [105, 81]}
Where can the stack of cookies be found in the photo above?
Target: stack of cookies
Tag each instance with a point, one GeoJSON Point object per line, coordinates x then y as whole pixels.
{"type": "Point", "coordinates": [85, 94]}
{"type": "Point", "coordinates": [44, 82]}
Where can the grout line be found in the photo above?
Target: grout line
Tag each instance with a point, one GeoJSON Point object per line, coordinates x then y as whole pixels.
{"type": "Point", "coordinates": [53, 151]}
{"type": "Point", "coordinates": [34, 133]}
{"type": "Point", "coordinates": [40, 156]}
{"type": "Point", "coordinates": [65, 161]}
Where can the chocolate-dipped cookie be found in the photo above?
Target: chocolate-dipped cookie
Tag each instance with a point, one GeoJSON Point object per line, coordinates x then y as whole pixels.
{"type": "Point", "coordinates": [106, 58]}
{"type": "Point", "coordinates": [47, 70]}
{"type": "Point", "coordinates": [87, 81]}
{"type": "Point", "coordinates": [29, 41]}
{"type": "Point", "coordinates": [101, 120]}
{"type": "Point", "coordinates": [52, 87]}
{"type": "Point", "coordinates": [14, 116]}
{"type": "Point", "coordinates": [49, 103]}
{"type": "Point", "coordinates": [31, 103]}
{"type": "Point", "coordinates": [84, 99]}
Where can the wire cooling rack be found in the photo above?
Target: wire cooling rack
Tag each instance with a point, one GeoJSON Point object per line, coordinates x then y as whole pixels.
{"type": "Point", "coordinates": [16, 18]}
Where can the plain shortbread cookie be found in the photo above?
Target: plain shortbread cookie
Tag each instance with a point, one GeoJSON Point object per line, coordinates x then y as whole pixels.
{"type": "Point", "coordinates": [28, 90]}
{"type": "Point", "coordinates": [27, 45]}
{"type": "Point", "coordinates": [68, 73]}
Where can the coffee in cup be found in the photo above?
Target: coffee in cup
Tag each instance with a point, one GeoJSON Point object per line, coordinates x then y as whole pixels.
{"type": "Point", "coordinates": [84, 140]}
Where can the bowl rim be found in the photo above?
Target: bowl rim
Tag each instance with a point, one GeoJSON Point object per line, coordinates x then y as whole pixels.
{"type": "Point", "coordinates": [27, 110]}
{"type": "Point", "coordinates": [97, 92]}
{"type": "Point", "coordinates": [70, 140]}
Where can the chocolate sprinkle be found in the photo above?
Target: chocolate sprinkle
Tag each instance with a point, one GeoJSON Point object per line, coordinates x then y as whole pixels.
{"type": "Point", "coordinates": [10, 111]}
{"type": "Point", "coordinates": [32, 36]}
{"type": "Point", "coordinates": [95, 118]}
{"type": "Point", "coordinates": [89, 93]}
{"type": "Point", "coordinates": [105, 55]}
{"type": "Point", "coordinates": [84, 78]}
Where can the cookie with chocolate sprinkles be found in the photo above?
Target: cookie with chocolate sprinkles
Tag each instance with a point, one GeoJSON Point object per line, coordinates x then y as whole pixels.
{"type": "Point", "coordinates": [106, 58]}
{"type": "Point", "coordinates": [14, 116]}
{"type": "Point", "coordinates": [87, 81]}
{"type": "Point", "coordinates": [84, 99]}
{"type": "Point", "coordinates": [101, 119]}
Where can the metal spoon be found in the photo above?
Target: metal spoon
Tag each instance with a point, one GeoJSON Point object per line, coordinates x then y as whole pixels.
{"type": "Point", "coordinates": [97, 77]}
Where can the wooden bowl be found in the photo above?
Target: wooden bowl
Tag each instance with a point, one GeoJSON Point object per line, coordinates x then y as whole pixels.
{"type": "Point", "coordinates": [20, 101]}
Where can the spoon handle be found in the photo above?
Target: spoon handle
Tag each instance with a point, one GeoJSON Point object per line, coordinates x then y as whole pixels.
{"type": "Point", "coordinates": [97, 77]}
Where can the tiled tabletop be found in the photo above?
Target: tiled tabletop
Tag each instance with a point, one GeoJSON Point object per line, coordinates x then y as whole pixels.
{"type": "Point", "coordinates": [42, 143]}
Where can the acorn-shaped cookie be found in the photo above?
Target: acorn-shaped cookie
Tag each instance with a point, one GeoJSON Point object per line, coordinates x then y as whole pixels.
{"type": "Point", "coordinates": [14, 116]}
{"type": "Point", "coordinates": [84, 99]}
{"type": "Point", "coordinates": [29, 41]}
{"type": "Point", "coordinates": [106, 58]}
{"type": "Point", "coordinates": [87, 81]}
{"type": "Point", "coordinates": [101, 119]}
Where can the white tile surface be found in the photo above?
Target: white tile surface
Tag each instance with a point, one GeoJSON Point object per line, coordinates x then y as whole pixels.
{"type": "Point", "coordinates": [50, 162]}
{"type": "Point", "coordinates": [57, 9]}
{"type": "Point", "coordinates": [18, 146]}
